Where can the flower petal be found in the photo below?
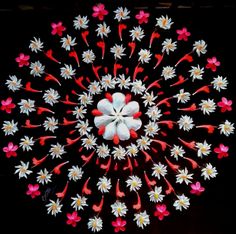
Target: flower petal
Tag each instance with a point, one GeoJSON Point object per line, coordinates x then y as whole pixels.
{"type": "Point", "coordinates": [130, 109]}
{"type": "Point", "coordinates": [105, 107]}
{"type": "Point", "coordinates": [102, 120]}
{"type": "Point", "coordinates": [132, 123]}
{"type": "Point", "coordinates": [123, 132]}
{"type": "Point", "coordinates": [118, 101]}
{"type": "Point", "coordinates": [110, 131]}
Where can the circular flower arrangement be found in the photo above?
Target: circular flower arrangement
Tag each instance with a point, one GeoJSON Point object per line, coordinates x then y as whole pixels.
{"type": "Point", "coordinates": [101, 119]}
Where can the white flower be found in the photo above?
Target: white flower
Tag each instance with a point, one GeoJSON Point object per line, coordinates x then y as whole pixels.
{"type": "Point", "coordinates": [118, 51]}
{"type": "Point", "coordinates": [185, 122]}
{"type": "Point", "coordinates": [119, 153]}
{"type": "Point", "coordinates": [88, 56]}
{"type": "Point", "coordinates": [95, 224]}
{"type": "Point", "coordinates": [219, 83]}
{"type": "Point", "coordinates": [226, 128]}
{"type": "Point", "coordinates": [181, 202]}
{"type": "Point", "coordinates": [144, 56]}
{"type": "Point", "coordinates": [67, 71]}
{"type": "Point", "coordinates": [203, 149]}
{"type": "Point", "coordinates": [132, 150]}
{"type": "Point", "coordinates": [44, 177]}
{"type": "Point", "coordinates": [142, 219]}
{"type": "Point", "coordinates": [36, 45]}
{"type": "Point", "coordinates": [164, 22]}
{"type": "Point", "coordinates": [119, 209]}
{"type": "Point", "coordinates": [123, 82]}
{"type": "Point", "coordinates": [134, 183]}
{"type": "Point", "coordinates": [85, 99]}
{"type": "Point", "coordinates": [182, 96]}
{"type": "Point", "coordinates": [144, 143]}
{"type": "Point", "coordinates": [196, 72]}
{"type": "Point", "coordinates": [168, 72]}
{"type": "Point", "coordinates": [137, 33]}
{"type": "Point", "coordinates": [54, 207]}
{"type": "Point", "coordinates": [168, 46]}
{"type": "Point", "coordinates": [56, 151]}
{"type": "Point", "coordinates": [209, 172]}
{"type": "Point", "coordinates": [79, 112]}
{"type": "Point", "coordinates": [138, 87]}
{"type": "Point", "coordinates": [107, 82]}
{"type": "Point", "coordinates": [13, 83]}
{"type": "Point", "coordinates": [50, 124]}
{"type": "Point", "coordinates": [94, 87]}
{"type": "Point", "coordinates": [79, 202]}
{"type": "Point", "coordinates": [149, 99]}
{"type": "Point", "coordinates": [23, 170]}
{"type": "Point", "coordinates": [37, 69]}
{"type": "Point", "coordinates": [200, 47]}
{"type": "Point", "coordinates": [154, 113]}
{"type": "Point", "coordinates": [184, 176]}
{"type": "Point", "coordinates": [121, 14]}
{"type": "Point", "coordinates": [26, 106]}
{"type": "Point", "coordinates": [103, 151]}
{"type": "Point", "coordinates": [83, 127]}
{"type": "Point", "coordinates": [89, 142]}
{"type": "Point", "coordinates": [9, 127]}
{"type": "Point", "coordinates": [51, 96]}
{"type": "Point", "coordinates": [155, 195]}
{"type": "Point", "coordinates": [104, 184]}
{"type": "Point", "coordinates": [75, 173]}
{"type": "Point", "coordinates": [68, 42]}
{"type": "Point", "coordinates": [26, 143]}
{"type": "Point", "coordinates": [177, 151]}
{"type": "Point", "coordinates": [103, 30]}
{"type": "Point", "coordinates": [151, 129]}
{"type": "Point", "coordinates": [80, 22]}
{"type": "Point", "coordinates": [159, 170]}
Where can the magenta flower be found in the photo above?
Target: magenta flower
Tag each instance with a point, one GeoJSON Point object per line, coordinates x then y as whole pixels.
{"type": "Point", "coordinates": [73, 218]}
{"type": "Point", "coordinates": [161, 211]}
{"type": "Point", "coordinates": [119, 225]}
{"type": "Point", "coordinates": [222, 151]}
{"type": "Point", "coordinates": [7, 105]}
{"type": "Point", "coordinates": [196, 188]}
{"type": "Point", "coordinates": [33, 190]}
{"type": "Point", "coordinates": [10, 150]}
{"type": "Point", "coordinates": [225, 104]}
{"type": "Point", "coordinates": [23, 60]}
{"type": "Point", "coordinates": [99, 11]}
{"type": "Point", "coordinates": [57, 29]}
{"type": "Point", "coordinates": [212, 63]}
{"type": "Point", "coordinates": [183, 34]}
{"type": "Point", "coordinates": [142, 17]}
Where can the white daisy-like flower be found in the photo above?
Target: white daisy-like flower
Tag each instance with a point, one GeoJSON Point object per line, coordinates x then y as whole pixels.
{"type": "Point", "coordinates": [89, 142]}
{"type": "Point", "coordinates": [26, 106]}
{"type": "Point", "coordinates": [119, 153]}
{"type": "Point", "coordinates": [207, 106]}
{"type": "Point", "coordinates": [75, 173]}
{"type": "Point", "coordinates": [159, 170]}
{"type": "Point", "coordinates": [94, 87]}
{"type": "Point", "coordinates": [220, 83]}
{"type": "Point", "coordinates": [200, 47]}
{"type": "Point", "coordinates": [168, 46]}
{"type": "Point", "coordinates": [80, 22]}
{"type": "Point", "coordinates": [68, 42]}
{"type": "Point", "coordinates": [226, 128]}
{"type": "Point", "coordinates": [137, 33]}
{"type": "Point", "coordinates": [13, 83]}
{"type": "Point", "coordinates": [37, 69]}
{"type": "Point", "coordinates": [121, 14]}
{"type": "Point", "coordinates": [182, 96]}
{"type": "Point", "coordinates": [67, 72]}
{"type": "Point", "coordinates": [56, 151]}
{"type": "Point", "coordinates": [123, 82]}
{"type": "Point", "coordinates": [119, 209]}
{"type": "Point", "coordinates": [144, 142]}
{"type": "Point", "coordinates": [196, 73]}
{"type": "Point", "coordinates": [203, 149]}
{"type": "Point", "coordinates": [23, 170]}
{"type": "Point", "coordinates": [168, 72]}
{"type": "Point", "coordinates": [154, 113]}
{"type": "Point", "coordinates": [185, 122]}
{"type": "Point", "coordinates": [44, 177]}
{"type": "Point", "coordinates": [95, 224]}
{"type": "Point", "coordinates": [184, 176]}
{"type": "Point", "coordinates": [155, 195]}
{"type": "Point", "coordinates": [88, 56]}
{"type": "Point", "coordinates": [104, 184]}
{"type": "Point", "coordinates": [9, 127]}
{"type": "Point", "coordinates": [54, 207]}
{"type": "Point", "coordinates": [144, 55]}
{"type": "Point", "coordinates": [164, 22]}
{"type": "Point", "coordinates": [209, 172]}
{"type": "Point", "coordinates": [142, 219]}
{"type": "Point", "coordinates": [132, 150]}
{"type": "Point", "coordinates": [134, 183]}
{"type": "Point", "coordinates": [138, 87]}
{"type": "Point", "coordinates": [50, 124]}
{"type": "Point", "coordinates": [79, 202]}
{"type": "Point", "coordinates": [36, 45]}
{"type": "Point", "coordinates": [151, 129]}
{"type": "Point", "coordinates": [149, 99]}
{"type": "Point", "coordinates": [51, 96]}
{"type": "Point", "coordinates": [118, 51]}
{"type": "Point", "coordinates": [181, 203]}
{"type": "Point", "coordinates": [177, 151]}
{"type": "Point", "coordinates": [83, 127]}
{"type": "Point", "coordinates": [26, 143]}
{"type": "Point", "coordinates": [85, 99]}
{"type": "Point", "coordinates": [103, 30]}
{"type": "Point", "coordinates": [103, 151]}
{"type": "Point", "coordinates": [107, 82]}
{"type": "Point", "coordinates": [79, 112]}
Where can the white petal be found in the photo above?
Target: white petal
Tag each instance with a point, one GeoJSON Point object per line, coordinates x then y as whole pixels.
{"type": "Point", "coordinates": [110, 131]}
{"type": "Point", "coordinates": [118, 101]}
{"type": "Point", "coordinates": [105, 107]}
{"type": "Point", "coordinates": [130, 109]}
{"type": "Point", "coordinates": [123, 132]}
{"type": "Point", "coordinates": [132, 123]}
{"type": "Point", "coordinates": [102, 120]}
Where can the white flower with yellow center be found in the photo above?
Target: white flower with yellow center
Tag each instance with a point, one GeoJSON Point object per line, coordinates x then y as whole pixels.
{"type": "Point", "coordinates": [200, 47]}
{"type": "Point", "coordinates": [88, 56]}
{"type": "Point", "coordinates": [168, 46]}
{"type": "Point", "coordinates": [142, 219]}
{"type": "Point", "coordinates": [182, 96]}
{"type": "Point", "coordinates": [13, 83]}
{"type": "Point", "coordinates": [137, 33]}
{"type": "Point", "coordinates": [119, 153]}
{"type": "Point", "coordinates": [181, 203]}
{"type": "Point", "coordinates": [151, 129]}
{"type": "Point", "coordinates": [37, 69]}
{"type": "Point", "coordinates": [81, 22]}
{"type": "Point", "coordinates": [118, 51]}
{"type": "Point", "coordinates": [51, 96]}
{"type": "Point", "coordinates": [177, 151]}
{"type": "Point", "coordinates": [184, 176]}
{"type": "Point", "coordinates": [164, 22]}
{"type": "Point", "coordinates": [56, 151]}
{"type": "Point", "coordinates": [209, 172]}
{"type": "Point", "coordinates": [54, 207]}
{"type": "Point", "coordinates": [79, 202]}
{"type": "Point", "coordinates": [9, 127]}
{"type": "Point", "coordinates": [104, 184]}
{"type": "Point", "coordinates": [89, 142]}
{"type": "Point", "coordinates": [36, 45]}
{"type": "Point", "coordinates": [154, 113]}
{"type": "Point", "coordinates": [155, 195]}
{"type": "Point", "coordinates": [94, 88]}
{"type": "Point", "coordinates": [134, 183]}
{"type": "Point", "coordinates": [132, 150]}
{"type": "Point", "coordinates": [75, 173]}
{"type": "Point", "coordinates": [196, 72]}
{"type": "Point", "coordinates": [123, 82]}
{"type": "Point", "coordinates": [226, 128]}
{"type": "Point", "coordinates": [121, 14]}
{"type": "Point", "coordinates": [119, 209]}
{"type": "Point", "coordinates": [44, 177]}
{"type": "Point", "coordinates": [207, 106]}
{"type": "Point", "coordinates": [79, 112]}
{"type": "Point", "coordinates": [144, 142]}
{"type": "Point", "coordinates": [149, 99]}
{"type": "Point", "coordinates": [203, 149]}
{"type": "Point", "coordinates": [185, 122]}
{"type": "Point", "coordinates": [159, 170]}
{"type": "Point", "coordinates": [168, 72]}
{"type": "Point", "coordinates": [26, 143]}
{"type": "Point", "coordinates": [67, 72]}
{"type": "Point", "coordinates": [83, 127]}
{"type": "Point", "coordinates": [103, 30]}
{"type": "Point", "coordinates": [68, 42]}
{"type": "Point", "coordinates": [85, 99]}
{"type": "Point", "coordinates": [50, 124]}
{"type": "Point", "coordinates": [107, 82]}
{"type": "Point", "coordinates": [26, 106]}
{"type": "Point", "coordinates": [23, 170]}
{"type": "Point", "coordinates": [103, 151]}
{"type": "Point", "coordinates": [138, 87]}
{"type": "Point", "coordinates": [95, 224]}
{"type": "Point", "coordinates": [219, 83]}
{"type": "Point", "coordinates": [144, 56]}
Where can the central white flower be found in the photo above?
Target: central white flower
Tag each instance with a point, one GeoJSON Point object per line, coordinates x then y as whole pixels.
{"type": "Point", "coordinates": [117, 117]}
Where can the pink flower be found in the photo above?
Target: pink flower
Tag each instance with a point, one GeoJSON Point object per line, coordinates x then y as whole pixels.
{"type": "Point", "coordinates": [7, 105]}
{"type": "Point", "coordinates": [142, 17]}
{"type": "Point", "coordinates": [197, 189]}
{"type": "Point", "coordinates": [23, 60]}
{"type": "Point", "coordinates": [222, 151]}
{"type": "Point", "coordinates": [212, 63]}
{"type": "Point", "coordinates": [57, 29]}
{"type": "Point", "coordinates": [10, 150]}
{"type": "Point", "coordinates": [99, 11]}
{"type": "Point", "coordinates": [73, 218]}
{"type": "Point", "coordinates": [183, 34]}
{"type": "Point", "coordinates": [33, 190]}
{"type": "Point", "coordinates": [225, 104]}
{"type": "Point", "coordinates": [161, 211]}
{"type": "Point", "coordinates": [119, 224]}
